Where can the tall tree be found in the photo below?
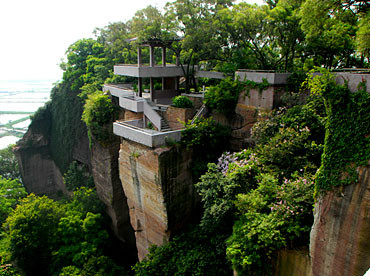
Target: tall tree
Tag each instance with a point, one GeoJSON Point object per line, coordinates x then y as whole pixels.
{"type": "Point", "coordinates": [330, 27]}
{"type": "Point", "coordinates": [193, 21]}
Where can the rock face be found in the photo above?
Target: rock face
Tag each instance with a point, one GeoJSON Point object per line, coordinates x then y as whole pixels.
{"type": "Point", "coordinates": [110, 191]}
{"type": "Point", "coordinates": [340, 236]}
{"type": "Point", "coordinates": [39, 173]}
{"type": "Point", "coordinates": [159, 190]}
{"type": "Point", "coordinates": [293, 263]}
{"type": "Point", "coordinates": [241, 124]}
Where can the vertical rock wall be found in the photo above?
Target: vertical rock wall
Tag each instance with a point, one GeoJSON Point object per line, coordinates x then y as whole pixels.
{"type": "Point", "coordinates": [293, 263]}
{"type": "Point", "coordinates": [109, 189]}
{"type": "Point", "coordinates": [340, 236]}
{"type": "Point", "coordinates": [241, 124]}
{"type": "Point", "coordinates": [39, 172]}
{"type": "Point", "coordinates": [159, 191]}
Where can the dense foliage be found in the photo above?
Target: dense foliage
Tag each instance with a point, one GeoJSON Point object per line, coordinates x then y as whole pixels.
{"type": "Point", "coordinates": [266, 193]}
{"type": "Point", "coordinates": [8, 164]}
{"type": "Point", "coordinates": [77, 176]}
{"type": "Point", "coordinates": [195, 252]}
{"type": "Point", "coordinates": [11, 191]}
{"type": "Point", "coordinates": [224, 96]}
{"type": "Point", "coordinates": [98, 116]}
{"type": "Point", "coordinates": [207, 139]}
{"type": "Point", "coordinates": [63, 236]}
{"type": "Point", "coordinates": [347, 131]}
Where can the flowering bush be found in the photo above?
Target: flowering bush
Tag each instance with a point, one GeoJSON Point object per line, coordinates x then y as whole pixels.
{"type": "Point", "coordinates": [270, 217]}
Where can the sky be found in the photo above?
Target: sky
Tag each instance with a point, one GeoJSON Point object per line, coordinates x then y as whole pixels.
{"type": "Point", "coordinates": [35, 34]}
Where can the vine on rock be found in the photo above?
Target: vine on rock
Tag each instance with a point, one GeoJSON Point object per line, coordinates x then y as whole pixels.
{"type": "Point", "coordinates": [347, 137]}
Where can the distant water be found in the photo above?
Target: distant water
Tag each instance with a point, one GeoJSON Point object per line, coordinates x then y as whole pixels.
{"type": "Point", "coordinates": [18, 100]}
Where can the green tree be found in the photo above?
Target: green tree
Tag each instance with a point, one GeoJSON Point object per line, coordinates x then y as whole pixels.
{"type": "Point", "coordinates": [76, 65]}
{"type": "Point", "coordinates": [263, 37]}
{"type": "Point", "coordinates": [11, 192]}
{"type": "Point", "coordinates": [32, 232]}
{"type": "Point", "coordinates": [8, 164]}
{"type": "Point", "coordinates": [193, 22]}
{"type": "Point", "coordinates": [330, 27]}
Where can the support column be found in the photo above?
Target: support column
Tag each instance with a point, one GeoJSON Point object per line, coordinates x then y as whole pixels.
{"type": "Point", "coordinates": [163, 83]}
{"type": "Point", "coordinates": [163, 56]}
{"type": "Point", "coordinates": [151, 56]}
{"type": "Point", "coordinates": [139, 61]}
{"type": "Point", "coordinates": [151, 89]}
{"type": "Point", "coordinates": [177, 83]}
{"type": "Point", "coordinates": [140, 87]}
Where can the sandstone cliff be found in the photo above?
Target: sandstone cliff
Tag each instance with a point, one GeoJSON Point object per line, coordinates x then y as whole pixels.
{"type": "Point", "coordinates": [159, 190]}
{"type": "Point", "coordinates": [340, 236]}
{"type": "Point", "coordinates": [39, 173]}
{"type": "Point", "coordinates": [109, 189]}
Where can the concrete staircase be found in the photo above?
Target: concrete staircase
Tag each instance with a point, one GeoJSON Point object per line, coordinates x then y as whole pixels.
{"type": "Point", "coordinates": [164, 125]}
{"type": "Point", "coordinates": [152, 113]}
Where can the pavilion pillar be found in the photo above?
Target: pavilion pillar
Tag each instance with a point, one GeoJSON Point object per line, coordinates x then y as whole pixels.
{"type": "Point", "coordinates": [151, 56]}
{"type": "Point", "coordinates": [151, 89]}
{"type": "Point", "coordinates": [139, 60]}
{"type": "Point", "coordinates": [140, 87]}
{"type": "Point", "coordinates": [164, 56]}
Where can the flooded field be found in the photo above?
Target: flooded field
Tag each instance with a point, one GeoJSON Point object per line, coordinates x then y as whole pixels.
{"type": "Point", "coordinates": [18, 101]}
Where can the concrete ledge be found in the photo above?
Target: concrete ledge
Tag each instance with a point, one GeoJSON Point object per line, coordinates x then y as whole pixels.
{"type": "Point", "coordinates": [146, 72]}
{"type": "Point", "coordinates": [210, 75]}
{"type": "Point", "coordinates": [119, 90]}
{"type": "Point", "coordinates": [132, 104]}
{"type": "Point", "coordinates": [353, 80]}
{"type": "Point", "coordinates": [272, 78]}
{"type": "Point", "coordinates": [130, 130]}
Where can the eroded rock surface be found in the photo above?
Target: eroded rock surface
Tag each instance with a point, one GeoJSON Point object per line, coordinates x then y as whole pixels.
{"type": "Point", "coordinates": [293, 262]}
{"type": "Point", "coordinates": [241, 124]}
{"type": "Point", "coordinates": [39, 172]}
{"type": "Point", "coordinates": [340, 236]}
{"type": "Point", "coordinates": [159, 190]}
{"type": "Point", "coordinates": [109, 190]}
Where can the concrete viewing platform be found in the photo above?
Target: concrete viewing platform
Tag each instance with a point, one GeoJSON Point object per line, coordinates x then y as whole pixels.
{"type": "Point", "coordinates": [170, 70]}
{"type": "Point", "coordinates": [134, 131]}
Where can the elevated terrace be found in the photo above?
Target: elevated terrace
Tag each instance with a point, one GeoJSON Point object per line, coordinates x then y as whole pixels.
{"type": "Point", "coordinates": [147, 71]}
{"type": "Point", "coordinates": [134, 130]}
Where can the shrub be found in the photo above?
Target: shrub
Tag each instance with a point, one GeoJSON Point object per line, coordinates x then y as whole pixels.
{"type": "Point", "coordinates": [195, 253]}
{"type": "Point", "coordinates": [208, 140]}
{"type": "Point", "coordinates": [182, 102]}
{"type": "Point", "coordinates": [8, 270]}
{"type": "Point", "coordinates": [235, 173]}
{"type": "Point", "coordinates": [224, 96]}
{"type": "Point", "coordinates": [98, 112]}
{"type": "Point", "coordinates": [271, 216]}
